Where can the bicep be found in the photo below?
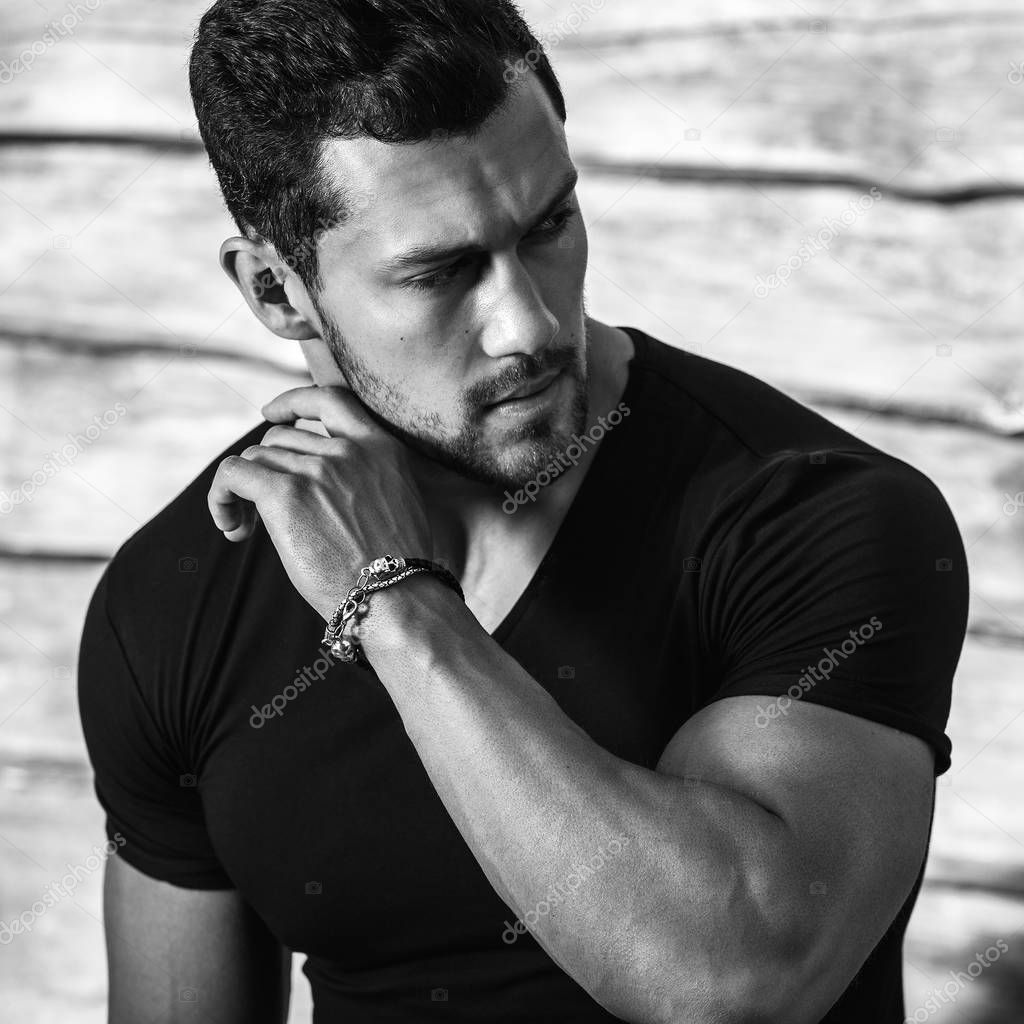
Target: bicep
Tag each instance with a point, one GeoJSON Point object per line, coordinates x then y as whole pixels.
{"type": "Point", "coordinates": [169, 948]}
{"type": "Point", "coordinates": [856, 800]}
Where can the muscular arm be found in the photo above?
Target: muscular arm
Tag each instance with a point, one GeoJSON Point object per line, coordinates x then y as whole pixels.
{"type": "Point", "coordinates": [760, 868]}
{"type": "Point", "coordinates": [193, 955]}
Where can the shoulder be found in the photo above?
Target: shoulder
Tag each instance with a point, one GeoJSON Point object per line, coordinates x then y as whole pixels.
{"type": "Point", "coordinates": [738, 444]}
{"type": "Point", "coordinates": [680, 386]}
{"type": "Point", "coordinates": [166, 566]}
{"type": "Point", "coordinates": [845, 515]}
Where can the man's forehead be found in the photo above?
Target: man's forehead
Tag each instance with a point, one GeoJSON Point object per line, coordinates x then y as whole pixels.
{"type": "Point", "coordinates": [399, 189]}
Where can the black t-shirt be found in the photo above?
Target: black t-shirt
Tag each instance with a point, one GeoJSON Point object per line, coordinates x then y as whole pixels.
{"type": "Point", "coordinates": [724, 539]}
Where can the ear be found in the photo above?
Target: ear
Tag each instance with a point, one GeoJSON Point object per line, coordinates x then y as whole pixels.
{"type": "Point", "coordinates": [261, 276]}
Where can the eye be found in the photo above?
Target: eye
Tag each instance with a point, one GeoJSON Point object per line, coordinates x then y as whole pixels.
{"type": "Point", "coordinates": [549, 228]}
{"type": "Point", "coordinates": [558, 222]}
{"type": "Point", "coordinates": [439, 279]}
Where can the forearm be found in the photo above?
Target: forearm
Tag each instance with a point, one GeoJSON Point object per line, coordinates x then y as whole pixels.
{"type": "Point", "coordinates": [672, 912]}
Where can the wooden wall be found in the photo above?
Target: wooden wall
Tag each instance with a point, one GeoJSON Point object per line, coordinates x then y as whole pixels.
{"type": "Point", "coordinates": [713, 139]}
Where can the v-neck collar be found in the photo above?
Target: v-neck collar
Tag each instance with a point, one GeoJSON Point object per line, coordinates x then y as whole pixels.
{"type": "Point", "coordinates": [593, 483]}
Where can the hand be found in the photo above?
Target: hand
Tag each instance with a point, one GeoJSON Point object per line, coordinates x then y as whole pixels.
{"type": "Point", "coordinates": [330, 504]}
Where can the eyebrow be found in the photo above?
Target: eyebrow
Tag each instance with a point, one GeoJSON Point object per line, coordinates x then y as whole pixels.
{"type": "Point", "coordinates": [420, 255]}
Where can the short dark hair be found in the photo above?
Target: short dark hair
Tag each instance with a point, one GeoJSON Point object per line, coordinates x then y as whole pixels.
{"type": "Point", "coordinates": [272, 79]}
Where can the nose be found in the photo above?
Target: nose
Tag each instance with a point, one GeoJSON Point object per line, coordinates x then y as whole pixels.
{"type": "Point", "coordinates": [520, 321]}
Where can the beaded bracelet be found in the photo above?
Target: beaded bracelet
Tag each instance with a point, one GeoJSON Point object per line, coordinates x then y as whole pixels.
{"type": "Point", "coordinates": [382, 572]}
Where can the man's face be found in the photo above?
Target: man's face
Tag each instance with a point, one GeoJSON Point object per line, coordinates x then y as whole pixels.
{"type": "Point", "coordinates": [430, 341]}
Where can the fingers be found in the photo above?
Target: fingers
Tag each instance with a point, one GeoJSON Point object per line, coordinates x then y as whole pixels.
{"type": "Point", "coordinates": [334, 406]}
{"type": "Point", "coordinates": [243, 481]}
{"type": "Point", "coordinates": [297, 439]}
{"type": "Point", "coordinates": [238, 485]}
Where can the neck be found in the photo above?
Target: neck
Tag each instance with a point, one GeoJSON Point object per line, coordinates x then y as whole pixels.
{"type": "Point", "coordinates": [464, 512]}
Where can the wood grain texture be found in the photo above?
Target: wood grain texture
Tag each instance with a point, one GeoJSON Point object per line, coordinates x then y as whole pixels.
{"type": "Point", "coordinates": [112, 448]}
{"type": "Point", "coordinates": [715, 139]}
{"type": "Point", "coordinates": [694, 85]}
{"type": "Point", "coordinates": [827, 292]}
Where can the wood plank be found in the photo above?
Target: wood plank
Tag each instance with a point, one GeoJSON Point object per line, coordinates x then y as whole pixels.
{"type": "Point", "coordinates": [39, 725]}
{"type": "Point", "coordinates": [49, 824]}
{"type": "Point", "coordinates": [127, 250]}
{"type": "Point", "coordinates": [165, 417]}
{"type": "Point", "coordinates": [975, 860]}
{"type": "Point", "coordinates": [127, 247]}
{"type": "Point", "coordinates": [945, 933]}
{"type": "Point", "coordinates": [852, 94]}
{"type": "Point", "coordinates": [180, 411]}
{"type": "Point", "coordinates": [878, 309]}
{"type": "Point", "coordinates": [865, 97]}
{"type": "Point", "coordinates": [978, 832]}
{"type": "Point", "coordinates": [53, 819]}
{"type": "Point", "coordinates": [924, 108]}
{"type": "Point", "coordinates": [116, 64]}
{"type": "Point", "coordinates": [57, 970]}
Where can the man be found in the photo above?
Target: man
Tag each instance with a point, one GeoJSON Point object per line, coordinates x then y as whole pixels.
{"type": "Point", "coordinates": [671, 758]}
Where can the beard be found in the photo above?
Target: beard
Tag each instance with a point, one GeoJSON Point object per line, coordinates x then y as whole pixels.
{"type": "Point", "coordinates": [522, 451]}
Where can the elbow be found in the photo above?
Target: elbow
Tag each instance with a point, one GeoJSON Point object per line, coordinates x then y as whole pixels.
{"type": "Point", "coordinates": [668, 986]}
{"type": "Point", "coordinates": [662, 985]}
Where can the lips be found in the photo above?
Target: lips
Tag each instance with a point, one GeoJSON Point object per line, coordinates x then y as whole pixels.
{"type": "Point", "coordinates": [525, 390]}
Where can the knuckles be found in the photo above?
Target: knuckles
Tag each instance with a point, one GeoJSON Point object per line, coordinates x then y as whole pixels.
{"type": "Point", "coordinates": [339, 447]}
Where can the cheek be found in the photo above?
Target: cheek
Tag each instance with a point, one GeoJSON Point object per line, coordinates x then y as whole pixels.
{"type": "Point", "coordinates": [434, 390]}
{"type": "Point", "coordinates": [573, 263]}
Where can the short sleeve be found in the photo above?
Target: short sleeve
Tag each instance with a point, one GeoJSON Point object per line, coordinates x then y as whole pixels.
{"type": "Point", "coordinates": [153, 807]}
{"type": "Point", "coordinates": [842, 582]}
